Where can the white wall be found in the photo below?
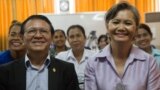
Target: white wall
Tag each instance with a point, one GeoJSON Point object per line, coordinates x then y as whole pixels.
{"type": "Point", "coordinates": [90, 21]}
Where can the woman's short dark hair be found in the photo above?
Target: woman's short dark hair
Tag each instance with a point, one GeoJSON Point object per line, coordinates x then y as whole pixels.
{"type": "Point", "coordinates": [57, 30]}
{"type": "Point", "coordinates": [41, 17]}
{"type": "Point", "coordinates": [103, 36]}
{"type": "Point", "coordinates": [145, 27]}
{"type": "Point", "coordinates": [14, 23]}
{"type": "Point", "coordinates": [112, 12]}
{"type": "Point", "coordinates": [76, 26]}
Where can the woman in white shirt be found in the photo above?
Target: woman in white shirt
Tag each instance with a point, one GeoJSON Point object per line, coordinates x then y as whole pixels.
{"type": "Point", "coordinates": [77, 55]}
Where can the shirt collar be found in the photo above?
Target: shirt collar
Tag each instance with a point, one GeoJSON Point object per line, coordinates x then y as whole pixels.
{"type": "Point", "coordinates": [135, 54]}
{"type": "Point", "coordinates": [71, 56]}
{"type": "Point", "coordinates": [46, 63]}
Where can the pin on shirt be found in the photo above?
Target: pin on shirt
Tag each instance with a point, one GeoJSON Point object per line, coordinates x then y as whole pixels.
{"type": "Point", "coordinates": [120, 86]}
{"type": "Point", "coordinates": [54, 69]}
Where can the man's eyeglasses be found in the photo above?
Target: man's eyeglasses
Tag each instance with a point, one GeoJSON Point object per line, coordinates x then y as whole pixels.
{"type": "Point", "coordinates": [34, 31]}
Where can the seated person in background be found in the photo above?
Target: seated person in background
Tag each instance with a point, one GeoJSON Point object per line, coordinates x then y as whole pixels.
{"type": "Point", "coordinates": [16, 46]}
{"type": "Point", "coordinates": [143, 41]}
{"type": "Point", "coordinates": [102, 41]}
{"type": "Point", "coordinates": [78, 54]}
{"type": "Point", "coordinates": [59, 42]}
{"type": "Point", "coordinates": [37, 70]}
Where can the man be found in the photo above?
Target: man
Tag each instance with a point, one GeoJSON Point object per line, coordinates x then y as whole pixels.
{"type": "Point", "coordinates": [37, 71]}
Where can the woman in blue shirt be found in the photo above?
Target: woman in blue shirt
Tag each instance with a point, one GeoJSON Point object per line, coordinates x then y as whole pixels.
{"type": "Point", "coordinates": [143, 41]}
{"type": "Point", "coordinates": [16, 47]}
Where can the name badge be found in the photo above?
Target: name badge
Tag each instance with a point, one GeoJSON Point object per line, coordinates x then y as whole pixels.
{"type": "Point", "coordinates": [120, 86]}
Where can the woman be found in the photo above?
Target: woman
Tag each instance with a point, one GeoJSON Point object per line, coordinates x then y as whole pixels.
{"type": "Point", "coordinates": [16, 46]}
{"type": "Point", "coordinates": [102, 41]}
{"type": "Point", "coordinates": [120, 65]}
{"type": "Point", "coordinates": [77, 55]}
{"type": "Point", "coordinates": [143, 41]}
{"type": "Point", "coordinates": [59, 42]}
